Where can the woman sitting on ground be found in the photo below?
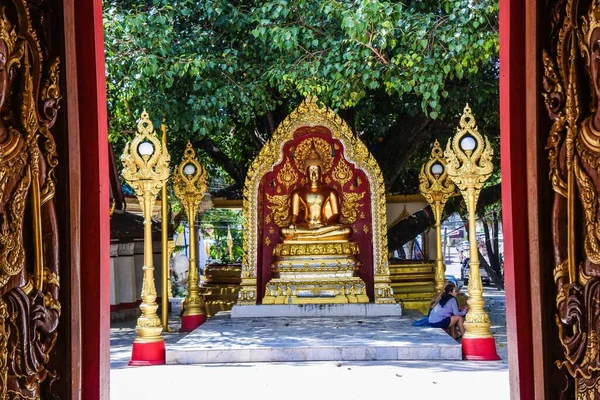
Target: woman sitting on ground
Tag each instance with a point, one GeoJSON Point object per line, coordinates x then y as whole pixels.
{"type": "Point", "coordinates": [446, 314]}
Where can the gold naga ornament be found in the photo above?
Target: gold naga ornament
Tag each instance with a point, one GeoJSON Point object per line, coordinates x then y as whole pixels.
{"type": "Point", "coordinates": [190, 185]}
{"type": "Point", "coordinates": [437, 188]}
{"type": "Point", "coordinates": [574, 158]}
{"type": "Point", "coordinates": [29, 264]}
{"type": "Point", "coordinates": [146, 170]}
{"type": "Point", "coordinates": [469, 164]}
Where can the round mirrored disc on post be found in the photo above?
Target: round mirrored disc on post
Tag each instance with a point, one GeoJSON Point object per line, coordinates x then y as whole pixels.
{"type": "Point", "coordinates": [468, 143]}
{"type": "Point", "coordinates": [437, 169]}
{"type": "Point", "coordinates": [146, 149]}
{"type": "Point", "coordinates": [189, 169]}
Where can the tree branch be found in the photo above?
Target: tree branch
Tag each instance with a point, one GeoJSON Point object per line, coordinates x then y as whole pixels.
{"type": "Point", "coordinates": [401, 137]}
{"type": "Point", "coordinates": [233, 169]}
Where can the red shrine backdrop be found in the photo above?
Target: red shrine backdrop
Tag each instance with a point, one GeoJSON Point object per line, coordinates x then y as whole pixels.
{"type": "Point", "coordinates": [275, 190]}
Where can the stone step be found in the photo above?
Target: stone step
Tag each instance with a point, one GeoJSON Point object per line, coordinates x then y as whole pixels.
{"type": "Point", "coordinates": [223, 339]}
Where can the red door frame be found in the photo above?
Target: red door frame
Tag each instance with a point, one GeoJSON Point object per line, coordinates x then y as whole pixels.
{"type": "Point", "coordinates": [95, 219]}
{"type": "Point", "coordinates": [518, 111]}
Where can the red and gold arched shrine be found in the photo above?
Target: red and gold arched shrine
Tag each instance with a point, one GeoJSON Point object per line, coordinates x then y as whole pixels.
{"type": "Point", "coordinates": [347, 167]}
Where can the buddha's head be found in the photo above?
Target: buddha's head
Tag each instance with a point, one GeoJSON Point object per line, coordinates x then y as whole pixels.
{"type": "Point", "coordinates": [313, 167]}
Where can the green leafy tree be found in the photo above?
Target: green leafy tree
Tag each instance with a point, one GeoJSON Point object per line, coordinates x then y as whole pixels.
{"type": "Point", "coordinates": [216, 224]}
{"type": "Point", "coordinates": [224, 73]}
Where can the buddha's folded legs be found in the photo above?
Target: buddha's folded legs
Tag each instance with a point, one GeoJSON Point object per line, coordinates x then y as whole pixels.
{"type": "Point", "coordinates": [332, 232]}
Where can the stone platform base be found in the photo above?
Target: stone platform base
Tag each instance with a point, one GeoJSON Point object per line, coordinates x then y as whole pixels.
{"type": "Point", "coordinates": [237, 340]}
{"type": "Point", "coordinates": [316, 310]}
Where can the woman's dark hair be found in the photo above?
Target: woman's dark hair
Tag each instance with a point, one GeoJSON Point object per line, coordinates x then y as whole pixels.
{"type": "Point", "coordinates": [447, 296]}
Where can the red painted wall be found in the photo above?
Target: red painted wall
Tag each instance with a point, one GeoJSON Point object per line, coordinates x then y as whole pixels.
{"type": "Point", "coordinates": [514, 196]}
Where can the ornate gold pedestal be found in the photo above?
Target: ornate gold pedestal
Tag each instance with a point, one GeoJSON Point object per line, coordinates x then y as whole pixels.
{"type": "Point", "coordinates": [315, 273]}
{"type": "Point", "coordinates": [413, 285]}
{"type": "Point", "coordinates": [220, 287]}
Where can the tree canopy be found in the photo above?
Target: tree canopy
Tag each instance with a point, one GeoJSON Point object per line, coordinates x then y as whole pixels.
{"type": "Point", "coordinates": [224, 73]}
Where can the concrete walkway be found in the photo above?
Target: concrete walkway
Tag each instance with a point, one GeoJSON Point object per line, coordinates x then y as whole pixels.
{"type": "Point", "coordinates": [224, 339]}
{"type": "Point", "coordinates": [317, 380]}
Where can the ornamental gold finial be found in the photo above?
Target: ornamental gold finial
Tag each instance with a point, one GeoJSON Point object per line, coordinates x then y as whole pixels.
{"type": "Point", "coordinates": [146, 170]}
{"type": "Point", "coordinates": [468, 156]}
{"type": "Point", "coordinates": [190, 185]}
{"type": "Point", "coordinates": [145, 158]}
{"type": "Point", "coordinates": [437, 187]}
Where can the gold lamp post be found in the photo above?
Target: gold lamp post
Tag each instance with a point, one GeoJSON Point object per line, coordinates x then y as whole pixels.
{"type": "Point", "coordinates": [164, 229]}
{"type": "Point", "coordinates": [190, 184]}
{"type": "Point", "coordinates": [469, 165]}
{"type": "Point", "coordinates": [436, 187]}
{"type": "Point", "coordinates": [146, 169]}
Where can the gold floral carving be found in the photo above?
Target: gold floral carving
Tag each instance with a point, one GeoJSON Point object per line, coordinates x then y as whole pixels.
{"type": "Point", "coordinates": [309, 113]}
{"type": "Point", "coordinates": [321, 146]}
{"type": "Point", "coordinates": [315, 249]}
{"type": "Point", "coordinates": [279, 205]}
{"type": "Point", "coordinates": [287, 176]}
{"type": "Point", "coordinates": [342, 172]}
{"type": "Point", "coordinates": [350, 206]}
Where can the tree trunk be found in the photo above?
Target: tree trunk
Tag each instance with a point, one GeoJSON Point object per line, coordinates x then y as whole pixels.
{"type": "Point", "coordinates": [494, 276]}
{"type": "Point", "coordinates": [409, 228]}
{"type": "Point", "coordinates": [491, 244]}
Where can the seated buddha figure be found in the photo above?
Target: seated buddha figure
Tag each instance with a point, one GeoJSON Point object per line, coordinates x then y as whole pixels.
{"type": "Point", "coordinates": [321, 209]}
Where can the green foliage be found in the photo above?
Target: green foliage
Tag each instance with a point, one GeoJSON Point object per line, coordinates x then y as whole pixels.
{"type": "Point", "coordinates": [215, 224]}
{"type": "Point", "coordinates": [214, 68]}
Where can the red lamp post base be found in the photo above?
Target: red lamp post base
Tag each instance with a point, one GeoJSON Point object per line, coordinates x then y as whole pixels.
{"type": "Point", "coordinates": [191, 322]}
{"type": "Point", "coordinates": [479, 349]}
{"type": "Point", "coordinates": [144, 354]}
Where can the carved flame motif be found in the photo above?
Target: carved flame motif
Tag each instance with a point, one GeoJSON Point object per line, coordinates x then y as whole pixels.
{"type": "Point", "coordinates": [145, 173]}
{"type": "Point", "coordinates": [342, 172]}
{"type": "Point", "coordinates": [287, 176]}
{"type": "Point", "coordinates": [436, 187]}
{"type": "Point", "coordinates": [574, 158]}
{"type": "Point", "coordinates": [280, 209]}
{"type": "Point", "coordinates": [29, 265]}
{"type": "Point", "coordinates": [189, 188]}
{"type": "Point", "coordinates": [350, 205]}
{"type": "Point", "coordinates": [459, 162]}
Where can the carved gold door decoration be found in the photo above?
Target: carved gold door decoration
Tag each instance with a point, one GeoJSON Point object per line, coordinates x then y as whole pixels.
{"type": "Point", "coordinates": [29, 264]}
{"type": "Point", "coordinates": [571, 68]}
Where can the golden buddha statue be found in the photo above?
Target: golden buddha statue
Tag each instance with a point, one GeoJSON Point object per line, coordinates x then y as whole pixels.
{"type": "Point", "coordinates": [321, 209]}
{"type": "Point", "coordinates": [316, 263]}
